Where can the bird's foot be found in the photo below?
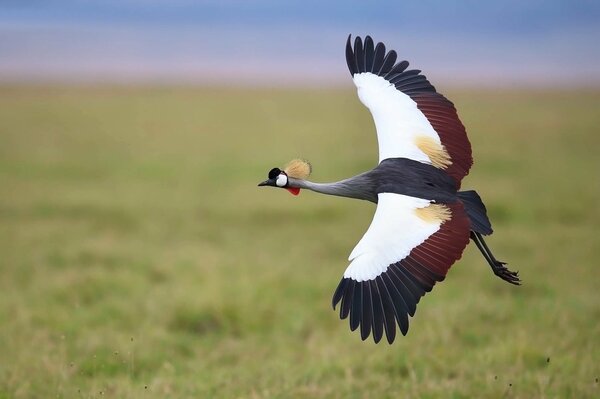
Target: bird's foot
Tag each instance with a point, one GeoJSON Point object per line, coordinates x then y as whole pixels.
{"type": "Point", "coordinates": [501, 271]}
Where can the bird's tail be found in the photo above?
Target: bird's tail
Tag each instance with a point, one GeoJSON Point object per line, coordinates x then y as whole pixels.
{"type": "Point", "coordinates": [476, 212]}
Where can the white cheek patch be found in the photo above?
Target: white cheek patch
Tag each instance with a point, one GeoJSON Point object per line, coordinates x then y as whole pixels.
{"type": "Point", "coordinates": [281, 180]}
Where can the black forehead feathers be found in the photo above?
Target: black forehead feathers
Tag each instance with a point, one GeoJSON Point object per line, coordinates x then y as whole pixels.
{"type": "Point", "coordinates": [273, 173]}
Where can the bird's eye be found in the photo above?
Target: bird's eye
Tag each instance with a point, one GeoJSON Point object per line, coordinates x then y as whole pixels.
{"type": "Point", "coordinates": [273, 173]}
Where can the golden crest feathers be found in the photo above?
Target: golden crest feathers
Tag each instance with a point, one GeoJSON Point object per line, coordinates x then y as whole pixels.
{"type": "Point", "coordinates": [298, 169]}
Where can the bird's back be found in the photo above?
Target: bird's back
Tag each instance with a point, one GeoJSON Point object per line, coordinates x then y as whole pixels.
{"type": "Point", "coordinates": [407, 177]}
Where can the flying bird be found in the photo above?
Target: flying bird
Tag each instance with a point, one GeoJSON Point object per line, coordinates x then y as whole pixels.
{"type": "Point", "coordinates": [422, 222]}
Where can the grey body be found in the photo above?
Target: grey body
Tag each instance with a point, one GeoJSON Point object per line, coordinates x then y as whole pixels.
{"type": "Point", "coordinates": [393, 175]}
{"type": "Point", "coordinates": [415, 179]}
{"type": "Point", "coordinates": [420, 180]}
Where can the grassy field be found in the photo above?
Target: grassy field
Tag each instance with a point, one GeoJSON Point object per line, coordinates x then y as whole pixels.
{"type": "Point", "coordinates": [138, 259]}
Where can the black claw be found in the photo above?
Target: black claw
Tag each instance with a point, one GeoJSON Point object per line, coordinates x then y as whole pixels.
{"type": "Point", "coordinates": [497, 266]}
{"type": "Point", "coordinates": [507, 275]}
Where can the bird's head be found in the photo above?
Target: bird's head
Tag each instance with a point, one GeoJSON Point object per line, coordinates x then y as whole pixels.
{"type": "Point", "coordinates": [277, 178]}
{"type": "Point", "coordinates": [296, 169]}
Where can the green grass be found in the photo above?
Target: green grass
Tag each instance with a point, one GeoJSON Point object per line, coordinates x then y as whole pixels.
{"type": "Point", "coordinates": [138, 259]}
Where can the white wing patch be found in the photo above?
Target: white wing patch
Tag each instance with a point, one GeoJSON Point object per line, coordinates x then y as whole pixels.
{"type": "Point", "coordinates": [395, 230]}
{"type": "Point", "coordinates": [398, 120]}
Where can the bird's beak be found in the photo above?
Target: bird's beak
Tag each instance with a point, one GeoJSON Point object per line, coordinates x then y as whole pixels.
{"type": "Point", "coordinates": [270, 182]}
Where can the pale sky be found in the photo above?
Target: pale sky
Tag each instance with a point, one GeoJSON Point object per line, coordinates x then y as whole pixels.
{"type": "Point", "coordinates": [297, 43]}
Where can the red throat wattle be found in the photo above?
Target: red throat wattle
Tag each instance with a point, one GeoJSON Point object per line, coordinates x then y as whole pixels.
{"type": "Point", "coordinates": [293, 190]}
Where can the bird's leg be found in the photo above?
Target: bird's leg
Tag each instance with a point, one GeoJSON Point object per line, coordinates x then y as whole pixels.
{"type": "Point", "coordinates": [497, 266]}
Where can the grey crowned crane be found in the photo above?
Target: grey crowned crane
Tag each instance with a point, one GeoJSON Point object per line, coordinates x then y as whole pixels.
{"type": "Point", "coordinates": [422, 222]}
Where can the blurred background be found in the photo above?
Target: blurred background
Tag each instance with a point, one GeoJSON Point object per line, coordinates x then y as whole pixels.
{"type": "Point", "coordinates": [139, 259]}
{"type": "Point", "coordinates": [295, 43]}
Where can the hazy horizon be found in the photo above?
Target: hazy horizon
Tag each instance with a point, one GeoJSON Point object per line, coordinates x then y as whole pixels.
{"type": "Point", "coordinates": [548, 44]}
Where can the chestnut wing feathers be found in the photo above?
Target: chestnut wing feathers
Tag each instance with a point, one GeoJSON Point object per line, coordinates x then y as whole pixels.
{"type": "Point", "coordinates": [407, 249]}
{"type": "Point", "coordinates": [413, 120]}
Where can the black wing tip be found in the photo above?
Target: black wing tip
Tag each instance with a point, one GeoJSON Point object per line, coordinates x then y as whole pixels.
{"type": "Point", "coordinates": [339, 292]}
{"type": "Point", "coordinates": [372, 321]}
{"type": "Point", "coordinates": [360, 58]}
{"type": "Point", "coordinates": [350, 60]}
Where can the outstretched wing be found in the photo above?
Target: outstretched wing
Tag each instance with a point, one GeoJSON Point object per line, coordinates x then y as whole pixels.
{"type": "Point", "coordinates": [409, 246]}
{"type": "Point", "coordinates": [412, 119]}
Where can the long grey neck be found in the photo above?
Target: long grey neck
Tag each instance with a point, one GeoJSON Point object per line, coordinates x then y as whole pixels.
{"type": "Point", "coordinates": [359, 187]}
